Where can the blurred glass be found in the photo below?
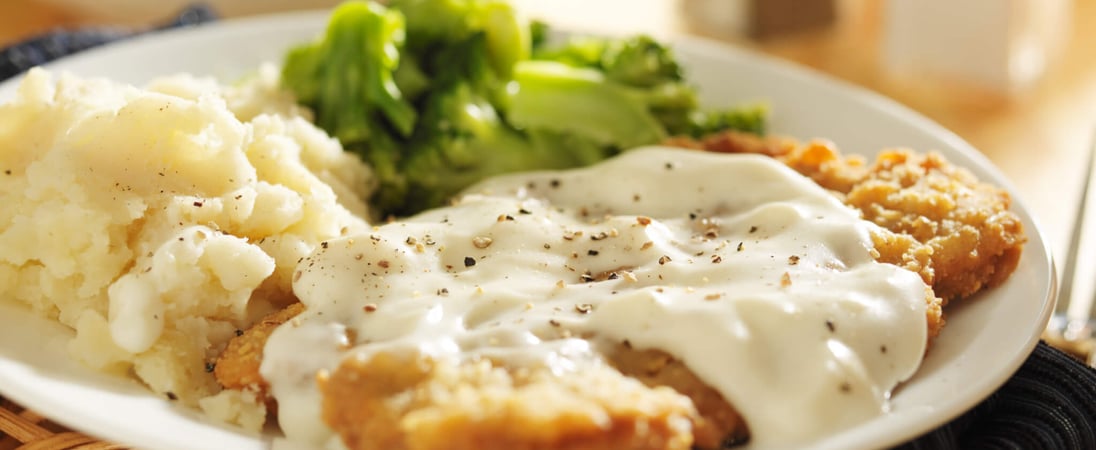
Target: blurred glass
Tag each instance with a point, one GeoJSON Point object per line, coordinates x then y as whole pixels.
{"type": "Point", "coordinates": [1004, 45]}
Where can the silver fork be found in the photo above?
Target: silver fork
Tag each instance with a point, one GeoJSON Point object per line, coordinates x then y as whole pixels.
{"type": "Point", "coordinates": [1071, 327]}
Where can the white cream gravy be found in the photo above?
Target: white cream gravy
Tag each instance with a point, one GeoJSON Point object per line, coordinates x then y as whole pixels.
{"type": "Point", "coordinates": [756, 278]}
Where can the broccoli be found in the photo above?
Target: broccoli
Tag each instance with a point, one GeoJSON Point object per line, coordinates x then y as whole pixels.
{"type": "Point", "coordinates": [554, 96]}
{"type": "Point", "coordinates": [438, 94]}
{"type": "Point", "coordinates": [750, 119]}
{"type": "Point", "coordinates": [643, 63]}
{"type": "Point", "coordinates": [464, 140]}
{"type": "Point", "coordinates": [348, 77]}
{"type": "Point", "coordinates": [462, 136]}
{"type": "Point", "coordinates": [538, 35]}
{"type": "Point", "coordinates": [434, 24]}
{"type": "Point", "coordinates": [638, 61]}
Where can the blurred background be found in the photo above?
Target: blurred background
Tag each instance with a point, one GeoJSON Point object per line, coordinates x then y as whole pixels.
{"type": "Point", "coordinates": [1015, 78]}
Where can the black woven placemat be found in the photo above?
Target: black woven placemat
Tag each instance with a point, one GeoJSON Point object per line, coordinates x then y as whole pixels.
{"type": "Point", "coordinates": [1050, 403]}
{"type": "Point", "coordinates": [41, 49]}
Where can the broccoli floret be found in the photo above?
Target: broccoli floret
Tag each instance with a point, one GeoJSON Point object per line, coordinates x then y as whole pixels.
{"type": "Point", "coordinates": [410, 79]}
{"type": "Point", "coordinates": [538, 35]}
{"type": "Point", "coordinates": [463, 138]}
{"type": "Point", "coordinates": [576, 52]}
{"type": "Point", "coordinates": [673, 106]}
{"type": "Point", "coordinates": [433, 24]}
{"type": "Point", "coordinates": [461, 141]}
{"type": "Point", "coordinates": [466, 141]}
{"type": "Point", "coordinates": [347, 77]}
{"type": "Point", "coordinates": [750, 119]}
{"type": "Point", "coordinates": [649, 67]}
{"type": "Point", "coordinates": [638, 61]}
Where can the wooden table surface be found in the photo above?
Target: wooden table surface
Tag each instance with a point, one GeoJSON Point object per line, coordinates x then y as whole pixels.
{"type": "Point", "coordinates": [1037, 138]}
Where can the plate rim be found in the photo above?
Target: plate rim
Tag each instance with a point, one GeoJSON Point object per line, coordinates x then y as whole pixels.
{"type": "Point", "coordinates": [856, 93]}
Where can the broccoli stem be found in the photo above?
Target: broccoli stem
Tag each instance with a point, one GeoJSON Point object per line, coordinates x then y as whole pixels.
{"type": "Point", "coordinates": [553, 96]}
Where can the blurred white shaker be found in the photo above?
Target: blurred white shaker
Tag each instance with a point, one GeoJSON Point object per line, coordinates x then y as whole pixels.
{"type": "Point", "coordinates": [1003, 45]}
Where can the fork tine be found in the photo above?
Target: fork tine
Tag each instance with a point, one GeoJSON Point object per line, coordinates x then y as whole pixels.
{"type": "Point", "coordinates": [1076, 315]}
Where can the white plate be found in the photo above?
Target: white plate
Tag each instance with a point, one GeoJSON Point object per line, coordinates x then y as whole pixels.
{"type": "Point", "coordinates": [986, 340]}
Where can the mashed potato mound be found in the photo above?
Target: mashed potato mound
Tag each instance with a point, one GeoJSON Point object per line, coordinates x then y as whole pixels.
{"type": "Point", "coordinates": [157, 222]}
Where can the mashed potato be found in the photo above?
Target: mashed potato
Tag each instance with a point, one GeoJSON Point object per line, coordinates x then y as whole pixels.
{"type": "Point", "coordinates": [157, 222]}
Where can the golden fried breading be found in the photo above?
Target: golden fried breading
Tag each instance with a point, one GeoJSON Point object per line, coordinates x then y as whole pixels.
{"type": "Point", "coordinates": [718, 421]}
{"type": "Point", "coordinates": [976, 241]}
{"type": "Point", "coordinates": [408, 403]}
{"type": "Point", "coordinates": [238, 365]}
{"type": "Point", "coordinates": [359, 408]}
{"type": "Point", "coordinates": [953, 230]}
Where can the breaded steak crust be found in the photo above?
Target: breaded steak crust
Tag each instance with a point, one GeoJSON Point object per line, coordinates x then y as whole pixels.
{"type": "Point", "coordinates": [954, 230]}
